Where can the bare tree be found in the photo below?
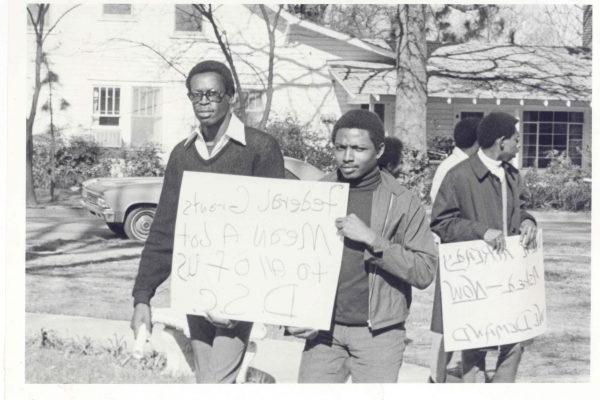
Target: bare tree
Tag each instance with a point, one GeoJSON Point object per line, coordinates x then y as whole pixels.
{"type": "Point", "coordinates": [271, 27]}
{"type": "Point", "coordinates": [39, 23]}
{"type": "Point", "coordinates": [206, 10]}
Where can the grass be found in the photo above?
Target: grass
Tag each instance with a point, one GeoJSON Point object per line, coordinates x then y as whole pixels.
{"type": "Point", "coordinates": [49, 359]}
{"type": "Point", "coordinates": [89, 285]}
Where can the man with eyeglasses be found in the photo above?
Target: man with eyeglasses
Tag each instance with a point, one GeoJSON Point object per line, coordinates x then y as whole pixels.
{"type": "Point", "coordinates": [222, 144]}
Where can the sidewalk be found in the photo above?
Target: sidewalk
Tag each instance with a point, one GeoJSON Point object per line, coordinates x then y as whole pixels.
{"type": "Point", "coordinates": [279, 358]}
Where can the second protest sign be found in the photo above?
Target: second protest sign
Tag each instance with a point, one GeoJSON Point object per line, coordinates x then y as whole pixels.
{"type": "Point", "coordinates": [491, 298]}
{"type": "Point", "coordinates": [257, 249]}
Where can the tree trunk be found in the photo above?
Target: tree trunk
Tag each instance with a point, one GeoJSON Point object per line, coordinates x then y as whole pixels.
{"type": "Point", "coordinates": [29, 187]}
{"type": "Point", "coordinates": [411, 78]}
{"type": "Point", "coordinates": [52, 143]}
{"type": "Point", "coordinates": [271, 33]}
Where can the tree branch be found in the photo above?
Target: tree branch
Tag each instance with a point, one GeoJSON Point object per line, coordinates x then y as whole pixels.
{"type": "Point", "coordinates": [58, 20]}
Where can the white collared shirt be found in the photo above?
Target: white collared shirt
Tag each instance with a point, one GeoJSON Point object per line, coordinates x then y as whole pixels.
{"type": "Point", "coordinates": [495, 166]}
{"type": "Point", "coordinates": [449, 162]}
{"type": "Point", "coordinates": [235, 131]}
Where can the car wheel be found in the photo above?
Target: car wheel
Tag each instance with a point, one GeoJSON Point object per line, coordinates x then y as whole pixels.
{"type": "Point", "coordinates": [138, 221]}
{"type": "Point", "coordinates": [116, 228]}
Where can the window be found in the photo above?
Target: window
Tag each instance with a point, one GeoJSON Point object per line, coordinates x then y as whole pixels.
{"type": "Point", "coordinates": [107, 105]}
{"type": "Point", "coordinates": [471, 114]}
{"type": "Point", "coordinates": [117, 9]}
{"type": "Point", "coordinates": [187, 18]}
{"type": "Point", "coordinates": [145, 115]}
{"type": "Point", "coordinates": [544, 131]}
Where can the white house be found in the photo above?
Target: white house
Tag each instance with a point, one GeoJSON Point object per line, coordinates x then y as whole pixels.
{"type": "Point", "coordinates": [122, 69]}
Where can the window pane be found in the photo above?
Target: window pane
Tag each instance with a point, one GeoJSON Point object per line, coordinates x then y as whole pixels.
{"type": "Point", "coordinates": [544, 150]}
{"type": "Point", "coordinates": [117, 100]}
{"type": "Point", "coordinates": [545, 128]}
{"type": "Point", "coordinates": [560, 140]}
{"type": "Point", "coordinates": [576, 117]}
{"type": "Point", "coordinates": [545, 140]}
{"type": "Point", "coordinates": [543, 162]}
{"type": "Point", "coordinates": [109, 104]}
{"type": "Point", "coordinates": [187, 18]}
{"type": "Point", "coordinates": [529, 128]}
{"type": "Point", "coordinates": [380, 111]}
{"type": "Point", "coordinates": [116, 9]}
{"type": "Point", "coordinates": [560, 129]}
{"type": "Point", "coordinates": [364, 106]}
{"type": "Point", "coordinates": [546, 116]}
{"type": "Point", "coordinates": [102, 100]}
{"type": "Point", "coordinates": [575, 130]}
{"type": "Point", "coordinates": [529, 140]}
{"type": "Point", "coordinates": [471, 114]}
{"type": "Point", "coordinates": [561, 116]}
{"type": "Point", "coordinates": [530, 116]}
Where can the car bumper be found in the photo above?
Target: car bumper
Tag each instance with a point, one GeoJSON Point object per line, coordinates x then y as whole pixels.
{"type": "Point", "coordinates": [107, 214]}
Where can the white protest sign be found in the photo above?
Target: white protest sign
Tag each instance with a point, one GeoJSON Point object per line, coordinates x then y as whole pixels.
{"type": "Point", "coordinates": [491, 298]}
{"type": "Point", "coordinates": [257, 249]}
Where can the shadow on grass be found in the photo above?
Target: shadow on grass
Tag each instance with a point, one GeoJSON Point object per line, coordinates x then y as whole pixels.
{"type": "Point", "coordinates": [36, 270]}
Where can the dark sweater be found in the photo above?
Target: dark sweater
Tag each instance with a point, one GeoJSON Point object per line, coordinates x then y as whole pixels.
{"type": "Point", "coordinates": [261, 156]}
{"type": "Point", "coordinates": [352, 297]}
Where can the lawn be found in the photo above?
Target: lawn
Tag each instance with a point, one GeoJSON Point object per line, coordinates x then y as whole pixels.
{"type": "Point", "coordinates": [94, 278]}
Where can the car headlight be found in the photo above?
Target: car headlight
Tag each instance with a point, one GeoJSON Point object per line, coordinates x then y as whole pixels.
{"type": "Point", "coordinates": [102, 203]}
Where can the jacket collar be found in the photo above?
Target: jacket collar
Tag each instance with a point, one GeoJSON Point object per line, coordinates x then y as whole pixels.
{"type": "Point", "coordinates": [481, 171]}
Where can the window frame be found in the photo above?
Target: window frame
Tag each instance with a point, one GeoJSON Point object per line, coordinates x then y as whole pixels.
{"type": "Point", "coordinates": [535, 163]}
{"type": "Point", "coordinates": [97, 113]}
{"type": "Point", "coordinates": [184, 33]}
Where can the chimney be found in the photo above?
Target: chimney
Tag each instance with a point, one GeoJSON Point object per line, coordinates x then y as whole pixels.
{"type": "Point", "coordinates": [586, 37]}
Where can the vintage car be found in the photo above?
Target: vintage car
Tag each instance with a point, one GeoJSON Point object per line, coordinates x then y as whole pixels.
{"type": "Point", "coordinates": [127, 205]}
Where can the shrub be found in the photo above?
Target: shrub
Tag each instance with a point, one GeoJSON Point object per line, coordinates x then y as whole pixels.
{"type": "Point", "coordinates": [144, 161]}
{"type": "Point", "coordinates": [297, 141]}
{"type": "Point", "coordinates": [559, 186]}
{"type": "Point", "coordinates": [81, 159]}
{"type": "Point", "coordinates": [440, 147]}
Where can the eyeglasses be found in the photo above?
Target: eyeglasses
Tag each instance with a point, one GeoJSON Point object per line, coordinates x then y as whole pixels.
{"type": "Point", "coordinates": [211, 95]}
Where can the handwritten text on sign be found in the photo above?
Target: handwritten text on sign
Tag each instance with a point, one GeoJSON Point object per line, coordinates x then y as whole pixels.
{"type": "Point", "coordinates": [491, 298]}
{"type": "Point", "coordinates": [257, 249]}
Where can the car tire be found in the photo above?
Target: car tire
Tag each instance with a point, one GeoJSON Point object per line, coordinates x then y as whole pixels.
{"type": "Point", "coordinates": [116, 228]}
{"type": "Point", "coordinates": [137, 223]}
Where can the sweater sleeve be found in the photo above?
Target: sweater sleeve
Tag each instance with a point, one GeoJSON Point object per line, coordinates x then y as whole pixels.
{"type": "Point", "coordinates": [155, 263]}
{"type": "Point", "coordinates": [269, 159]}
{"type": "Point", "coordinates": [412, 255]}
{"type": "Point", "coordinates": [446, 221]}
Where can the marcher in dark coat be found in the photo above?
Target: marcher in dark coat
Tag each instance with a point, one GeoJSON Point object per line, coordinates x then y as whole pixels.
{"type": "Point", "coordinates": [479, 199]}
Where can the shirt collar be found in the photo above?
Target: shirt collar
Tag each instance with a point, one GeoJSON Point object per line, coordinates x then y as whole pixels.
{"type": "Point", "coordinates": [494, 166]}
{"type": "Point", "coordinates": [235, 131]}
{"type": "Point", "coordinates": [457, 152]}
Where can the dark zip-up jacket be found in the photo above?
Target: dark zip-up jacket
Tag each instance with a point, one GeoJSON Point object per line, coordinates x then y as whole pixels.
{"type": "Point", "coordinates": [403, 256]}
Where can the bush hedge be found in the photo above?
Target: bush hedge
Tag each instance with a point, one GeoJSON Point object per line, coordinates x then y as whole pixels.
{"type": "Point", "coordinates": [81, 158]}
{"type": "Point", "coordinates": [560, 186]}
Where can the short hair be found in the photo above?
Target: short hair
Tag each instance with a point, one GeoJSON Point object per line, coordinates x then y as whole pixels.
{"type": "Point", "coordinates": [465, 133]}
{"type": "Point", "coordinates": [392, 153]}
{"type": "Point", "coordinates": [493, 126]}
{"type": "Point", "coordinates": [361, 119]}
{"type": "Point", "coordinates": [216, 67]}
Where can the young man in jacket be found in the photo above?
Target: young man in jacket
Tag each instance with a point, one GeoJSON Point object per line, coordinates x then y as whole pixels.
{"type": "Point", "coordinates": [465, 140]}
{"type": "Point", "coordinates": [479, 199]}
{"type": "Point", "coordinates": [224, 145]}
{"type": "Point", "coordinates": [388, 248]}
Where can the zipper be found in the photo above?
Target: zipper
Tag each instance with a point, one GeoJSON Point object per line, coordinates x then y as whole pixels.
{"type": "Point", "coordinates": [372, 274]}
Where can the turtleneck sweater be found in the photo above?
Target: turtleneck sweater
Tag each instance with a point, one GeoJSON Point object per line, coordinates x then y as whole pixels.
{"type": "Point", "coordinates": [352, 298]}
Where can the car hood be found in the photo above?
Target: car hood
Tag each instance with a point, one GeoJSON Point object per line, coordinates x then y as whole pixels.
{"type": "Point", "coordinates": [104, 184]}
